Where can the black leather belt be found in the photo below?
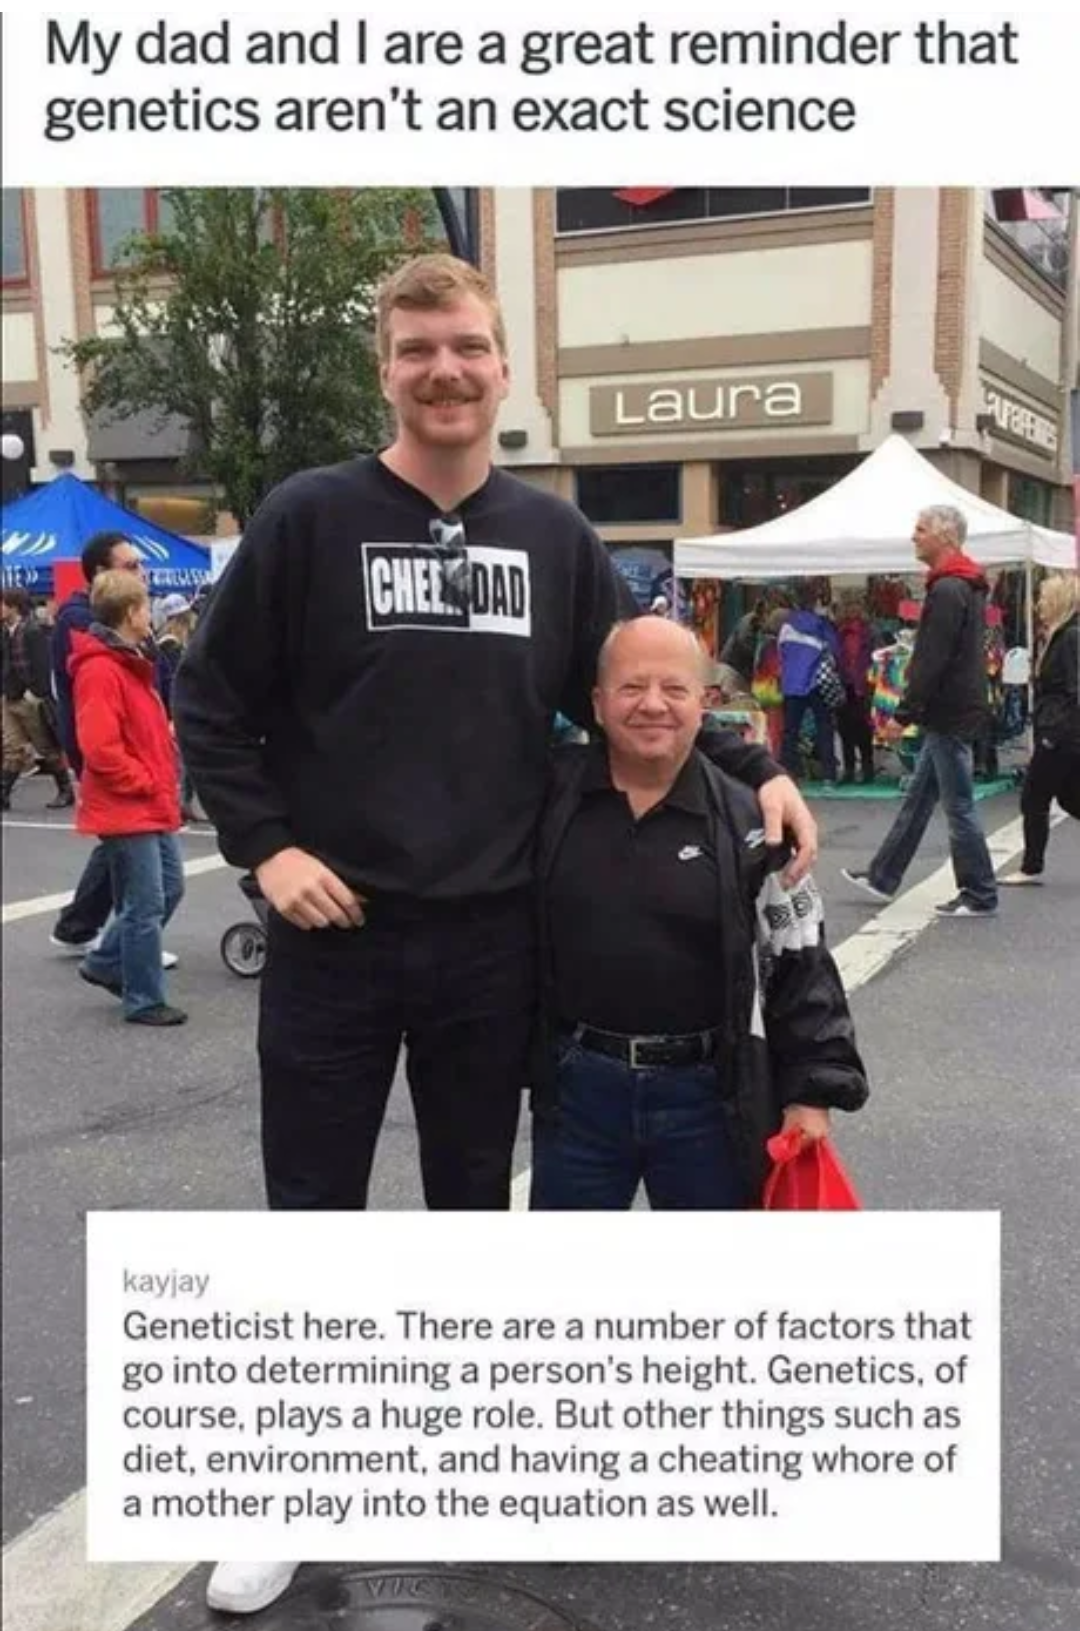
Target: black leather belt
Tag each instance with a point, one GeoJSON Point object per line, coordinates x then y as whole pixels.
{"type": "Point", "coordinates": [641, 1051]}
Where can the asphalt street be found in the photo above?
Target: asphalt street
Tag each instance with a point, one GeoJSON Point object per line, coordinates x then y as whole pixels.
{"type": "Point", "coordinates": [971, 1043]}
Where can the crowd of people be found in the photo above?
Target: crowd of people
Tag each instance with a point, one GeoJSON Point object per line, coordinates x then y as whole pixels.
{"type": "Point", "coordinates": [825, 677]}
{"type": "Point", "coordinates": [452, 881]}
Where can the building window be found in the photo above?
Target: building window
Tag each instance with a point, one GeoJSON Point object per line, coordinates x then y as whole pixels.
{"type": "Point", "coordinates": [628, 494]}
{"type": "Point", "coordinates": [1036, 222]}
{"type": "Point", "coordinates": [118, 212]}
{"type": "Point", "coordinates": [1032, 499]}
{"type": "Point", "coordinates": [599, 209]}
{"type": "Point", "coordinates": [760, 490]}
{"type": "Point", "coordinates": [15, 267]}
{"type": "Point", "coordinates": [15, 473]}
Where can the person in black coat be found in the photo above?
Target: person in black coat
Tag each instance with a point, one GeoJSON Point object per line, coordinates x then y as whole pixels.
{"type": "Point", "coordinates": [1054, 771]}
{"type": "Point", "coordinates": [29, 719]}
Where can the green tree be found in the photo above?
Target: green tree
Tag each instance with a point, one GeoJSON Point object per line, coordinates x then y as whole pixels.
{"type": "Point", "coordinates": [250, 315]}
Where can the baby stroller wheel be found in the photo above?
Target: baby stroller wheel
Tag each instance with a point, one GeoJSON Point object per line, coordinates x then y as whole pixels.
{"type": "Point", "coordinates": [243, 950]}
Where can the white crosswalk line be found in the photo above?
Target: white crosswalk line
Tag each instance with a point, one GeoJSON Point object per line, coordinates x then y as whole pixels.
{"type": "Point", "coordinates": [48, 1586]}
{"type": "Point", "coordinates": [68, 827]}
{"type": "Point", "coordinates": [17, 910]}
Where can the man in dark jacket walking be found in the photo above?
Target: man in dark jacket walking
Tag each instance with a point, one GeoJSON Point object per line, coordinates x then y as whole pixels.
{"type": "Point", "coordinates": [946, 696]}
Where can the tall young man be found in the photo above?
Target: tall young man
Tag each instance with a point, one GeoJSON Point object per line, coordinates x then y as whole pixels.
{"type": "Point", "coordinates": [392, 838]}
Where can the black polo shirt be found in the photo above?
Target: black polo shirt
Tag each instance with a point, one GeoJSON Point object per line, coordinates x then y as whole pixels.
{"type": "Point", "coordinates": [633, 911]}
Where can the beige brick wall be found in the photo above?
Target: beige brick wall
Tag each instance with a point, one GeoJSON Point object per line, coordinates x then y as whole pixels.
{"type": "Point", "coordinates": [700, 499]}
{"type": "Point", "coordinates": [81, 261]}
{"type": "Point", "coordinates": [547, 315]}
{"type": "Point", "coordinates": [881, 288]}
{"type": "Point", "coordinates": [951, 317]}
{"type": "Point", "coordinates": [33, 272]}
{"type": "Point", "coordinates": [487, 233]}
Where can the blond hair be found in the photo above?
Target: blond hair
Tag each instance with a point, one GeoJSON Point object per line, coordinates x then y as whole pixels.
{"type": "Point", "coordinates": [433, 283]}
{"type": "Point", "coordinates": [181, 626]}
{"type": "Point", "coordinates": [1059, 598]}
{"type": "Point", "coordinates": [113, 595]}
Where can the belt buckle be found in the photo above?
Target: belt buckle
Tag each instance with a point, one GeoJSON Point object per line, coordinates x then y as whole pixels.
{"type": "Point", "coordinates": [635, 1042]}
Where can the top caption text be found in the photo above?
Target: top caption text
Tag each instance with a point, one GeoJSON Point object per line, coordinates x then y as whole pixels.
{"type": "Point", "coordinates": [654, 94]}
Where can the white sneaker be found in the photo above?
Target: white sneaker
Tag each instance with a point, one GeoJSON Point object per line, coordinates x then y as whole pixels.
{"type": "Point", "coordinates": [169, 959]}
{"type": "Point", "coordinates": [245, 1588]}
{"type": "Point", "coordinates": [861, 880]}
{"type": "Point", "coordinates": [74, 948]}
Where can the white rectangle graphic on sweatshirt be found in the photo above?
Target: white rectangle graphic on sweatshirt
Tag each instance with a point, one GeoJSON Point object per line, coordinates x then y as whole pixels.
{"type": "Point", "coordinates": [404, 589]}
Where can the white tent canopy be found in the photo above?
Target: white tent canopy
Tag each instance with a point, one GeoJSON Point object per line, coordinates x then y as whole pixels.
{"type": "Point", "coordinates": [863, 525]}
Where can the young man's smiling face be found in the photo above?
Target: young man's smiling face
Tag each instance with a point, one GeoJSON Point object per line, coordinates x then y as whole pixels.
{"type": "Point", "coordinates": [444, 374]}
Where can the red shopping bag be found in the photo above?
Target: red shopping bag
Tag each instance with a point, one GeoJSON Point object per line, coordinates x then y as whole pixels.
{"type": "Point", "coordinates": [806, 1177]}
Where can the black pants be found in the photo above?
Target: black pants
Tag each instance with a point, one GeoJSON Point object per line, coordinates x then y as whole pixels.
{"type": "Point", "coordinates": [856, 734]}
{"type": "Point", "coordinates": [985, 754]}
{"type": "Point", "coordinates": [456, 984]}
{"type": "Point", "coordinates": [88, 913]}
{"type": "Point", "coordinates": [1054, 773]}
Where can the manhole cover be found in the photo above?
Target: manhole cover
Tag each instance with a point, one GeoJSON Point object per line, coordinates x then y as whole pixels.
{"type": "Point", "coordinates": [413, 1600]}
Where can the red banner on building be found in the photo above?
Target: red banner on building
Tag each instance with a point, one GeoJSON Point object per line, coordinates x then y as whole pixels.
{"type": "Point", "coordinates": [640, 197]}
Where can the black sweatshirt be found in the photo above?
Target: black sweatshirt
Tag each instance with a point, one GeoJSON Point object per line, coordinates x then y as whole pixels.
{"type": "Point", "coordinates": [332, 699]}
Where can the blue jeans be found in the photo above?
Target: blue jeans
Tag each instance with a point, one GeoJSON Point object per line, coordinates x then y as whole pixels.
{"type": "Point", "coordinates": [943, 772]}
{"type": "Point", "coordinates": [615, 1128]}
{"type": "Point", "coordinates": [795, 709]}
{"type": "Point", "coordinates": [147, 872]}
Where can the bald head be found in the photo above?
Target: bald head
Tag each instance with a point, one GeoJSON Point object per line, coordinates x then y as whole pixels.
{"type": "Point", "coordinates": [650, 691]}
{"type": "Point", "coordinates": [653, 636]}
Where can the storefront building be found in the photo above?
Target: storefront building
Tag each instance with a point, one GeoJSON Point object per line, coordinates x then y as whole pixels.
{"type": "Point", "coordinates": [685, 360]}
{"type": "Point", "coordinates": [688, 361]}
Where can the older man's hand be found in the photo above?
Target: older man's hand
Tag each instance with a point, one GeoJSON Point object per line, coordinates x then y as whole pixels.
{"type": "Point", "coordinates": [784, 809]}
{"type": "Point", "coordinates": [810, 1121]}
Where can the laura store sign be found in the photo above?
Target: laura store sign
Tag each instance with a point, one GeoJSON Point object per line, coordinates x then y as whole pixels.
{"type": "Point", "coordinates": [711, 404]}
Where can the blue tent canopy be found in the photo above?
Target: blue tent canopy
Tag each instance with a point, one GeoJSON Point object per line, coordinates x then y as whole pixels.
{"type": "Point", "coordinates": [56, 521]}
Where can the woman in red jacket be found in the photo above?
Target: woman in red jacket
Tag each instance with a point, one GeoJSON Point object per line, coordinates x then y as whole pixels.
{"type": "Point", "coordinates": [128, 794]}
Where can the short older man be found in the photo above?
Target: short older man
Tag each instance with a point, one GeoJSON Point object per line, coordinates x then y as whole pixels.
{"type": "Point", "coordinates": [689, 1004]}
{"type": "Point", "coordinates": [945, 694]}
